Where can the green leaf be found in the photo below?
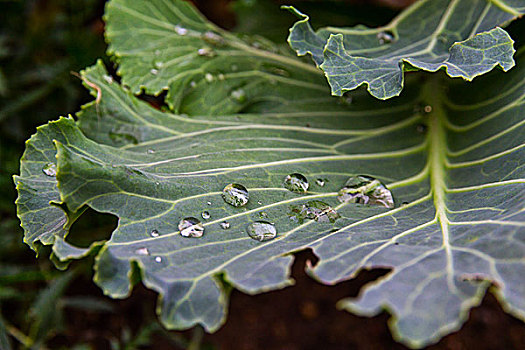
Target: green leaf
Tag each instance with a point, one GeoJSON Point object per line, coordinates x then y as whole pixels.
{"type": "Point", "coordinates": [459, 36]}
{"type": "Point", "coordinates": [462, 181]}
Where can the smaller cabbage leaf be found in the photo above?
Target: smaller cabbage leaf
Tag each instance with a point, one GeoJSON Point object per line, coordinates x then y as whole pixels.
{"type": "Point", "coordinates": [459, 36]}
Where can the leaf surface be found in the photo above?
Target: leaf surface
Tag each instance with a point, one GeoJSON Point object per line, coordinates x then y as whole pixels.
{"type": "Point", "coordinates": [458, 189]}
{"type": "Point", "coordinates": [459, 36]}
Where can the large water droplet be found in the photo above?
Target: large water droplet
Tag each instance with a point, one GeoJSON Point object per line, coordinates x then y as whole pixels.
{"type": "Point", "coordinates": [142, 251]}
{"type": "Point", "coordinates": [235, 194]}
{"type": "Point", "coordinates": [181, 30]}
{"type": "Point", "coordinates": [154, 233]}
{"type": "Point", "coordinates": [366, 190]}
{"type": "Point", "coordinates": [206, 51]}
{"type": "Point", "coordinates": [261, 231]}
{"type": "Point", "coordinates": [238, 95]}
{"type": "Point", "coordinates": [205, 215]}
{"type": "Point", "coordinates": [296, 183]}
{"type": "Point", "coordinates": [385, 37]}
{"type": "Point", "coordinates": [191, 227]}
{"type": "Point", "coordinates": [50, 169]}
{"type": "Point", "coordinates": [313, 210]}
{"type": "Point", "coordinates": [225, 225]}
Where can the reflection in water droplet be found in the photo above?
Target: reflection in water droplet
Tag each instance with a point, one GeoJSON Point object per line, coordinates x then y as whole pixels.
{"type": "Point", "coordinates": [142, 251]}
{"type": "Point", "coordinates": [154, 233]}
{"type": "Point", "coordinates": [206, 51]}
{"type": "Point", "coordinates": [158, 259]}
{"type": "Point", "coordinates": [238, 95]}
{"type": "Point", "coordinates": [50, 169]}
{"type": "Point", "coordinates": [208, 77]}
{"type": "Point", "coordinates": [235, 194]}
{"type": "Point", "coordinates": [261, 231]}
{"type": "Point", "coordinates": [385, 37]}
{"type": "Point", "coordinates": [191, 227]}
{"type": "Point", "coordinates": [296, 183]}
{"type": "Point", "coordinates": [181, 30]}
{"type": "Point", "coordinates": [205, 215]}
{"type": "Point", "coordinates": [320, 182]}
{"type": "Point", "coordinates": [225, 225]}
{"type": "Point", "coordinates": [366, 190]}
{"type": "Point", "coordinates": [313, 210]}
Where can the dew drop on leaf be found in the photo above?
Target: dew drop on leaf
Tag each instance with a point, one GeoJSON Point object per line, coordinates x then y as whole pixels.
{"type": "Point", "coordinates": [208, 203]}
{"type": "Point", "coordinates": [154, 71]}
{"type": "Point", "coordinates": [206, 52]}
{"type": "Point", "coordinates": [385, 37]}
{"type": "Point", "coordinates": [320, 182]}
{"type": "Point", "coordinates": [366, 190]}
{"type": "Point", "coordinates": [181, 30]}
{"type": "Point", "coordinates": [261, 231]}
{"type": "Point", "coordinates": [212, 38]}
{"type": "Point", "coordinates": [151, 151]}
{"type": "Point", "coordinates": [263, 214]}
{"type": "Point", "coordinates": [235, 194]}
{"type": "Point", "coordinates": [154, 233]}
{"type": "Point", "coordinates": [158, 259]}
{"type": "Point", "coordinates": [191, 227]}
{"type": "Point", "coordinates": [205, 215]}
{"type": "Point", "coordinates": [208, 77]}
{"type": "Point", "coordinates": [108, 78]}
{"type": "Point", "coordinates": [225, 225]}
{"type": "Point", "coordinates": [313, 210]}
{"type": "Point", "coordinates": [50, 169]}
{"type": "Point", "coordinates": [296, 183]}
{"type": "Point", "coordinates": [238, 95]}
{"type": "Point", "coordinates": [142, 251]}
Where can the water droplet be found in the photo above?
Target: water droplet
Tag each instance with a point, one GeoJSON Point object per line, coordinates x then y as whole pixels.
{"type": "Point", "coordinates": [261, 231]}
{"type": "Point", "coordinates": [296, 183]}
{"type": "Point", "coordinates": [421, 128]}
{"type": "Point", "coordinates": [225, 225]}
{"type": "Point", "coordinates": [207, 52]}
{"type": "Point", "coordinates": [263, 214]}
{"type": "Point", "coordinates": [259, 202]}
{"type": "Point", "coordinates": [154, 71]}
{"type": "Point", "coordinates": [158, 259]}
{"type": "Point", "coordinates": [238, 95]}
{"type": "Point", "coordinates": [191, 227]}
{"type": "Point", "coordinates": [212, 38]}
{"type": "Point", "coordinates": [320, 182]}
{"type": "Point", "coordinates": [205, 215]}
{"type": "Point", "coordinates": [142, 251]}
{"type": "Point", "coordinates": [158, 64]}
{"type": "Point", "coordinates": [108, 78]}
{"type": "Point", "coordinates": [209, 78]}
{"type": "Point", "coordinates": [193, 84]}
{"type": "Point", "coordinates": [221, 76]}
{"type": "Point", "coordinates": [181, 30]}
{"type": "Point", "coordinates": [235, 194]}
{"type": "Point", "coordinates": [313, 210]}
{"type": "Point", "coordinates": [208, 202]}
{"type": "Point", "coordinates": [151, 151]}
{"type": "Point", "coordinates": [234, 67]}
{"type": "Point", "coordinates": [50, 169]}
{"type": "Point", "coordinates": [366, 190]}
{"type": "Point", "coordinates": [427, 109]}
{"type": "Point", "coordinates": [385, 37]}
{"type": "Point", "coordinates": [154, 233]}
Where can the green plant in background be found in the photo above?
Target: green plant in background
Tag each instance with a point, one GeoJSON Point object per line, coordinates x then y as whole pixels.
{"type": "Point", "coordinates": [251, 159]}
